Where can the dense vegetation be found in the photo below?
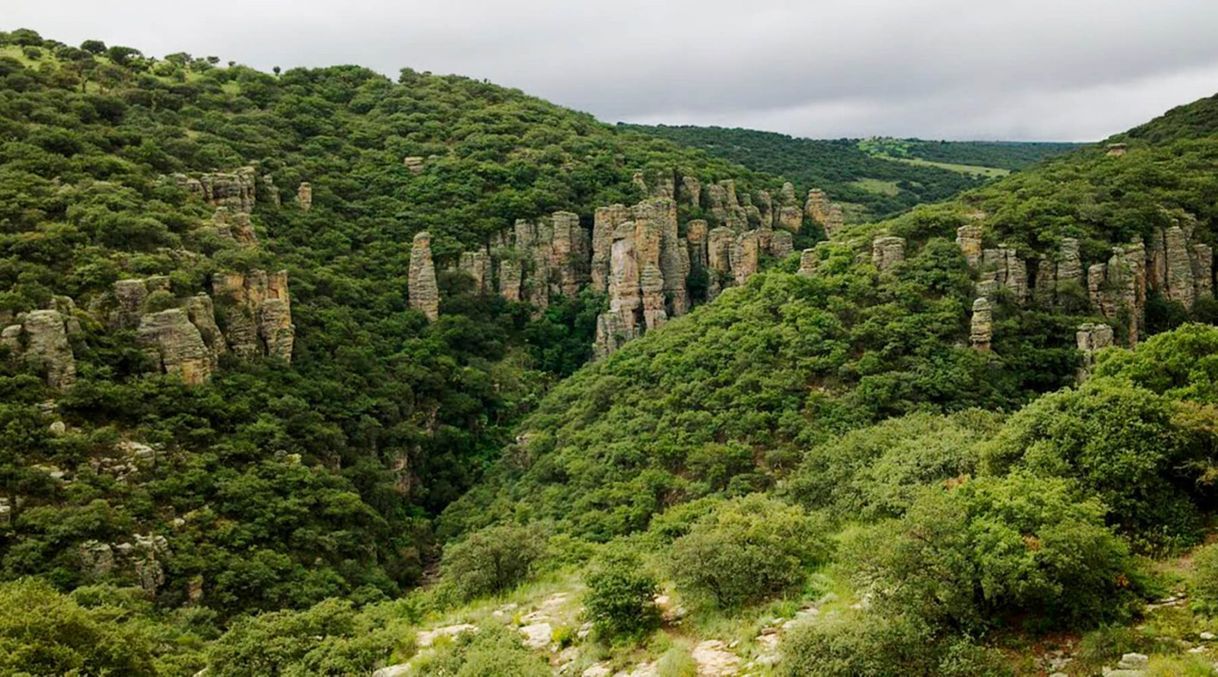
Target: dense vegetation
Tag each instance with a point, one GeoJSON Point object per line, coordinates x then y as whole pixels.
{"type": "Point", "coordinates": [855, 172]}
{"type": "Point", "coordinates": [279, 487]}
{"type": "Point", "coordinates": [1009, 155]}
{"type": "Point", "coordinates": [803, 442]}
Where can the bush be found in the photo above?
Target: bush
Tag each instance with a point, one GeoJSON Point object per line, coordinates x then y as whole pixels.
{"type": "Point", "coordinates": [43, 632]}
{"type": "Point", "coordinates": [492, 650]}
{"type": "Point", "coordinates": [869, 644]}
{"type": "Point", "coordinates": [998, 551]}
{"type": "Point", "coordinates": [1142, 453]}
{"type": "Point", "coordinates": [491, 560]}
{"type": "Point", "coordinates": [1205, 579]}
{"type": "Point", "coordinates": [746, 551]}
{"type": "Point", "coordinates": [330, 638]}
{"type": "Point", "coordinates": [621, 595]}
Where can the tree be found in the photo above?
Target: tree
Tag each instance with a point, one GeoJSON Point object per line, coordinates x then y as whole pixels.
{"type": "Point", "coordinates": [746, 551]}
{"type": "Point", "coordinates": [492, 560]}
{"type": "Point", "coordinates": [621, 594]}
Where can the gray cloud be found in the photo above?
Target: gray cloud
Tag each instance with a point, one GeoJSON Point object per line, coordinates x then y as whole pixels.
{"type": "Point", "coordinates": [1013, 69]}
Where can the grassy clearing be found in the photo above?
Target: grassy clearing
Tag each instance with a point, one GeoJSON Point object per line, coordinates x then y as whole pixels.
{"type": "Point", "coordinates": [877, 186]}
{"type": "Point", "coordinates": [971, 170]}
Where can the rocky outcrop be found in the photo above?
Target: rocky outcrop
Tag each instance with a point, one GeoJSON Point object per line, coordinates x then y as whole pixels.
{"type": "Point", "coordinates": [808, 261]}
{"type": "Point", "coordinates": [414, 163]}
{"type": "Point", "coordinates": [477, 265]}
{"type": "Point", "coordinates": [270, 190]}
{"type": "Point", "coordinates": [605, 221]}
{"type": "Point", "coordinates": [40, 339]}
{"type": "Point", "coordinates": [691, 191]}
{"type": "Point", "coordinates": [235, 190]}
{"type": "Point", "coordinates": [257, 313]}
{"type": "Point", "coordinates": [1091, 338]}
{"type": "Point", "coordinates": [1003, 267]}
{"type": "Point", "coordinates": [423, 291]}
{"type": "Point", "coordinates": [1117, 289]}
{"type": "Point", "coordinates": [202, 314]}
{"type": "Point", "coordinates": [304, 196]}
{"type": "Point", "coordinates": [234, 226]}
{"type": "Point", "coordinates": [968, 238]}
{"type": "Point", "coordinates": [651, 287]}
{"type": "Point", "coordinates": [781, 244]}
{"type": "Point", "coordinates": [981, 325]}
{"type": "Point", "coordinates": [175, 345]}
{"type": "Point", "coordinates": [1179, 269]}
{"type": "Point", "coordinates": [887, 251]}
{"type": "Point", "coordinates": [790, 218]}
{"type": "Point", "coordinates": [745, 256]}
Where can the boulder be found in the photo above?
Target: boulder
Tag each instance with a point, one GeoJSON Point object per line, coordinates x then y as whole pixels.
{"type": "Point", "coordinates": [175, 345]}
{"type": "Point", "coordinates": [968, 238]}
{"type": "Point", "coordinates": [808, 261]}
{"type": "Point", "coordinates": [887, 251]}
{"type": "Point", "coordinates": [981, 325]}
{"type": "Point", "coordinates": [304, 196]}
{"type": "Point", "coordinates": [41, 340]}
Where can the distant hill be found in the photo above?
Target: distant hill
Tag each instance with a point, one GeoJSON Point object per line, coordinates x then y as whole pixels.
{"type": "Point", "coordinates": [864, 173]}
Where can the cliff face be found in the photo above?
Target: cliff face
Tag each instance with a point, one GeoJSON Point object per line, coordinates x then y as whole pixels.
{"type": "Point", "coordinates": [641, 256]}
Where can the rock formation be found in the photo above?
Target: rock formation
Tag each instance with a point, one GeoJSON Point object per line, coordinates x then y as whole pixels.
{"type": "Point", "coordinates": [781, 244]}
{"type": "Point", "coordinates": [477, 265]}
{"type": "Point", "coordinates": [235, 226]}
{"type": "Point", "coordinates": [257, 313]}
{"type": "Point", "coordinates": [1003, 267]}
{"type": "Point", "coordinates": [1117, 289]}
{"type": "Point", "coordinates": [691, 191]}
{"type": "Point", "coordinates": [175, 345]}
{"type": "Point", "coordinates": [414, 163]}
{"type": "Point", "coordinates": [969, 240]}
{"type": "Point", "coordinates": [1091, 338]}
{"type": "Point", "coordinates": [606, 220]}
{"type": "Point", "coordinates": [269, 189]}
{"type": "Point", "coordinates": [304, 196]}
{"type": "Point", "coordinates": [887, 251]}
{"type": "Point", "coordinates": [234, 190]}
{"type": "Point", "coordinates": [424, 293]}
{"type": "Point", "coordinates": [981, 325]}
{"type": "Point", "coordinates": [808, 261]}
{"type": "Point", "coordinates": [745, 256]}
{"type": "Point", "coordinates": [40, 338]}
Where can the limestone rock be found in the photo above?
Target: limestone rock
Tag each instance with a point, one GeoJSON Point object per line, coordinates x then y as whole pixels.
{"type": "Point", "coordinates": [765, 206]}
{"type": "Point", "coordinates": [745, 256]}
{"type": "Point", "coordinates": [790, 218]}
{"type": "Point", "coordinates": [570, 251]}
{"type": "Point", "coordinates": [258, 320]}
{"type": "Point", "coordinates": [175, 345]}
{"type": "Point", "coordinates": [719, 244]}
{"type": "Point", "coordinates": [202, 314]}
{"type": "Point", "coordinates": [605, 221]}
{"type": "Point", "coordinates": [808, 261]}
{"type": "Point", "coordinates": [714, 660]}
{"type": "Point", "coordinates": [781, 244]}
{"type": "Point", "coordinates": [269, 189]}
{"type": "Point", "coordinates": [509, 279]}
{"type": "Point", "coordinates": [1090, 339]}
{"type": "Point", "coordinates": [414, 163]}
{"type": "Point", "coordinates": [304, 196]}
{"type": "Point", "coordinates": [969, 240]}
{"type": "Point", "coordinates": [424, 293]}
{"type": "Point", "coordinates": [820, 210]}
{"type": "Point", "coordinates": [887, 251]}
{"type": "Point", "coordinates": [235, 190]}
{"type": "Point", "coordinates": [41, 340]}
{"type": "Point", "coordinates": [96, 558]}
{"type": "Point", "coordinates": [1202, 261]}
{"type": "Point", "coordinates": [477, 265]}
{"type": "Point", "coordinates": [691, 191]}
{"type": "Point", "coordinates": [981, 326]}
{"type": "Point", "coordinates": [1005, 268]}
{"type": "Point", "coordinates": [695, 239]}
{"type": "Point", "coordinates": [1118, 288]}
{"type": "Point", "coordinates": [130, 295]}
{"type": "Point", "coordinates": [651, 285]}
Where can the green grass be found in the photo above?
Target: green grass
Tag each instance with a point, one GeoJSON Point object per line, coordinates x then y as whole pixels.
{"type": "Point", "coordinates": [971, 170]}
{"type": "Point", "coordinates": [877, 186]}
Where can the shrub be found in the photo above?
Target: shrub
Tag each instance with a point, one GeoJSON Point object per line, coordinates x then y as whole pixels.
{"type": "Point", "coordinates": [43, 632]}
{"type": "Point", "coordinates": [747, 550]}
{"type": "Point", "coordinates": [1142, 453]}
{"type": "Point", "coordinates": [870, 644]}
{"type": "Point", "coordinates": [491, 560]}
{"type": "Point", "coordinates": [999, 550]}
{"type": "Point", "coordinates": [329, 638]}
{"type": "Point", "coordinates": [621, 595]}
{"type": "Point", "coordinates": [492, 650]}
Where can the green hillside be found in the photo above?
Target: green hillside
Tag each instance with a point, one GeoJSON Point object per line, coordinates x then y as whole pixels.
{"type": "Point", "coordinates": [877, 177]}
{"type": "Point", "coordinates": [976, 438]}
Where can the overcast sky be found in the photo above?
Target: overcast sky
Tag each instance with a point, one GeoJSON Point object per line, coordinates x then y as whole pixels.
{"type": "Point", "coordinates": [956, 69]}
